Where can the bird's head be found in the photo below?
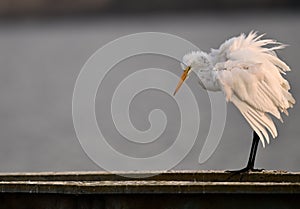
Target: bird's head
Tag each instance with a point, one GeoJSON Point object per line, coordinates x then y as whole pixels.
{"type": "Point", "coordinates": [194, 61]}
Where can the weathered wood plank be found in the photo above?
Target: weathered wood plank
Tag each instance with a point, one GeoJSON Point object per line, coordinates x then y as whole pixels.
{"type": "Point", "coordinates": [213, 176]}
{"type": "Point", "coordinates": [148, 190]}
{"type": "Point", "coordinates": [146, 187]}
{"type": "Point", "coordinates": [168, 182]}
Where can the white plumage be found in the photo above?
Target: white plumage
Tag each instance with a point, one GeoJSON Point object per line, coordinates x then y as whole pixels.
{"type": "Point", "coordinates": [248, 71]}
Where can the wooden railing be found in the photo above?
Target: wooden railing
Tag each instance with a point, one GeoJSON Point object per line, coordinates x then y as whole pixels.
{"type": "Point", "coordinates": [178, 189]}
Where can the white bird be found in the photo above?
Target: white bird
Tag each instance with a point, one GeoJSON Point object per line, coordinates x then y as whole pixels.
{"type": "Point", "coordinates": [247, 70]}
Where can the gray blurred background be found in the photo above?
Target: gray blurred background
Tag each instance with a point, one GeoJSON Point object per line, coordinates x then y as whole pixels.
{"type": "Point", "coordinates": [45, 43]}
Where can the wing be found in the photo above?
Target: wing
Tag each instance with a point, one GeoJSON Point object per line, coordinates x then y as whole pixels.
{"type": "Point", "coordinates": [249, 73]}
{"type": "Point", "coordinates": [255, 92]}
{"type": "Point", "coordinates": [253, 49]}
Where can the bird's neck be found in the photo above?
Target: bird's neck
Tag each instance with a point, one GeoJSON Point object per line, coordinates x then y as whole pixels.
{"type": "Point", "coordinates": [207, 80]}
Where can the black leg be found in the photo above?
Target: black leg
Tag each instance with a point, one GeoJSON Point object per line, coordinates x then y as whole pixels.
{"type": "Point", "coordinates": [253, 150]}
{"type": "Point", "coordinates": [250, 164]}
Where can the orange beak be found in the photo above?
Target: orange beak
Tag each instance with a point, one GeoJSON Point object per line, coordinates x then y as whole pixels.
{"type": "Point", "coordinates": [183, 77]}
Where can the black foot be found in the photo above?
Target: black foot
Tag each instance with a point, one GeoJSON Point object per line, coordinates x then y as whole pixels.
{"type": "Point", "coordinates": [245, 170]}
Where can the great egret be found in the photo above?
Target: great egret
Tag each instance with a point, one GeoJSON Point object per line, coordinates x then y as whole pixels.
{"type": "Point", "coordinates": [247, 70]}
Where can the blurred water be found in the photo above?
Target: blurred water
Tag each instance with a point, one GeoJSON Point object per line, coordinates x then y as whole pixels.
{"type": "Point", "coordinates": [40, 61]}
